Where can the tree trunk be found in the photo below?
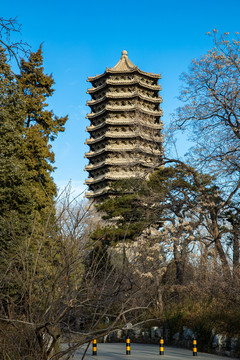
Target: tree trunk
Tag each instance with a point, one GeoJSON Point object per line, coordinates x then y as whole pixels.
{"type": "Point", "coordinates": [179, 259]}
{"type": "Point", "coordinates": [222, 256]}
{"type": "Point", "coordinates": [235, 250]}
{"type": "Point", "coordinates": [218, 245]}
{"type": "Point", "coordinates": [159, 295]}
{"type": "Point", "coordinates": [203, 262]}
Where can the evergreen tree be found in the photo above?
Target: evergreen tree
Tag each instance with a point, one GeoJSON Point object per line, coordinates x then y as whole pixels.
{"type": "Point", "coordinates": [27, 189]}
{"type": "Point", "coordinates": [41, 126]}
{"type": "Point", "coordinates": [177, 201]}
{"type": "Point", "coordinates": [15, 197]}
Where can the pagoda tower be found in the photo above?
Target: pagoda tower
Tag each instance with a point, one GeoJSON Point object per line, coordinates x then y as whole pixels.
{"type": "Point", "coordinates": [125, 126]}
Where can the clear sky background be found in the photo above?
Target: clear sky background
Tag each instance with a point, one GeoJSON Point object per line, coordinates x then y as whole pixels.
{"type": "Point", "coordinates": [82, 38]}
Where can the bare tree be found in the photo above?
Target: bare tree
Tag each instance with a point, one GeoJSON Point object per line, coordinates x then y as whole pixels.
{"type": "Point", "coordinates": [211, 95]}
{"type": "Point", "coordinates": [54, 289]}
{"type": "Point", "coordinates": [14, 49]}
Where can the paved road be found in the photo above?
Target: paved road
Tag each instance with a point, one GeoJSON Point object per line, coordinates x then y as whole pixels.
{"type": "Point", "coordinates": [117, 351]}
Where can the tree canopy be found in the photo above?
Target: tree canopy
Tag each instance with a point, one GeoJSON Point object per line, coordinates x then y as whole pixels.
{"type": "Point", "coordinates": [15, 197]}
{"type": "Point", "coordinates": [211, 95]}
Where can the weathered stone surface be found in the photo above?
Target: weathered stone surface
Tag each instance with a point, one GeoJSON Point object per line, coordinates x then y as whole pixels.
{"type": "Point", "coordinates": [176, 336]}
{"type": "Point", "coordinates": [234, 343]}
{"type": "Point", "coordinates": [153, 332]}
{"type": "Point", "coordinates": [227, 353]}
{"type": "Point", "coordinates": [219, 340]}
{"type": "Point", "coordinates": [115, 336]}
{"type": "Point", "coordinates": [137, 332]}
{"type": "Point", "coordinates": [166, 333]}
{"type": "Point", "coordinates": [146, 333]}
{"type": "Point", "coordinates": [159, 332]}
{"type": "Point", "coordinates": [188, 334]}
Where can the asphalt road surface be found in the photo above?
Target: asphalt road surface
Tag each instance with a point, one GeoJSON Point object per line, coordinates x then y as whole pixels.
{"type": "Point", "coordinates": [117, 351]}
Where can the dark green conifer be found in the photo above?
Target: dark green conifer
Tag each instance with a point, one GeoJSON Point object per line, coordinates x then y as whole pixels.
{"type": "Point", "coordinates": [41, 126]}
{"type": "Point", "coordinates": [15, 197]}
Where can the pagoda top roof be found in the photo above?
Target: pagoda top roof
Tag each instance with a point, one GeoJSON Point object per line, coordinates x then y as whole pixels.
{"type": "Point", "coordinates": [122, 66]}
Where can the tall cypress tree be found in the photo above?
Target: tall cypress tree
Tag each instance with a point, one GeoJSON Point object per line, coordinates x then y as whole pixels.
{"type": "Point", "coordinates": [29, 248]}
{"type": "Point", "coordinates": [15, 198]}
{"type": "Point", "coordinates": [27, 189]}
{"type": "Point", "coordinates": [41, 127]}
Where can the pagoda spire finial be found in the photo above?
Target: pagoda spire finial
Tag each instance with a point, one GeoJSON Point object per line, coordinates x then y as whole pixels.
{"type": "Point", "coordinates": [124, 64]}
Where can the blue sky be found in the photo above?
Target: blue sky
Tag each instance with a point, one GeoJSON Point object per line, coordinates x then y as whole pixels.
{"type": "Point", "coordinates": [81, 39]}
